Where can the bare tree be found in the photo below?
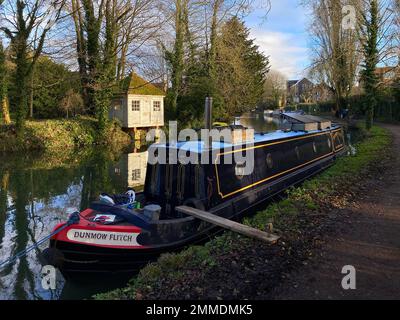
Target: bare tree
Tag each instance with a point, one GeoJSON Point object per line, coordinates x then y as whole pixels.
{"type": "Point", "coordinates": [335, 48]}
{"type": "Point", "coordinates": [396, 7]}
{"type": "Point", "coordinates": [72, 103]}
{"type": "Point", "coordinates": [274, 89]}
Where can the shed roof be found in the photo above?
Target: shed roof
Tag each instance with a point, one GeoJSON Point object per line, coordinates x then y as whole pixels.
{"type": "Point", "coordinates": [134, 84]}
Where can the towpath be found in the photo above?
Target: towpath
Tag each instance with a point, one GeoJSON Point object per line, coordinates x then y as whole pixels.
{"type": "Point", "coordinates": [369, 240]}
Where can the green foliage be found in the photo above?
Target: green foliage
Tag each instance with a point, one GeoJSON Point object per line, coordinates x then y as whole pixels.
{"type": "Point", "coordinates": [50, 83]}
{"type": "Point", "coordinates": [321, 190]}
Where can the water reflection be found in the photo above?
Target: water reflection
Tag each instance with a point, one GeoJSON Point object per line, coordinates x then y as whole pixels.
{"type": "Point", "coordinates": [32, 202]}
{"type": "Point", "coordinates": [260, 122]}
{"type": "Point", "coordinates": [131, 169]}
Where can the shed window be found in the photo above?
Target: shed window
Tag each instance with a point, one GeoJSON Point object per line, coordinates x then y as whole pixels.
{"type": "Point", "coordinates": [156, 105]}
{"type": "Point", "coordinates": [135, 105]}
{"type": "Point", "coordinates": [117, 104]}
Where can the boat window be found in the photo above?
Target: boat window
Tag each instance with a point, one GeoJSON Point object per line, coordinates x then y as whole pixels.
{"type": "Point", "coordinates": [314, 146]}
{"type": "Point", "coordinates": [154, 179]}
{"type": "Point", "coordinates": [329, 142]}
{"type": "Point", "coordinates": [297, 151]}
{"type": "Point", "coordinates": [270, 161]}
{"type": "Point", "coordinates": [197, 169]}
{"type": "Point", "coordinates": [341, 137]}
{"type": "Point", "coordinates": [169, 171]}
{"type": "Point", "coordinates": [239, 170]}
{"type": "Point", "coordinates": [181, 181]}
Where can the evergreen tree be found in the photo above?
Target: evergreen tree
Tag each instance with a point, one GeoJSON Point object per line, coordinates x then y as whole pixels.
{"type": "Point", "coordinates": [241, 69]}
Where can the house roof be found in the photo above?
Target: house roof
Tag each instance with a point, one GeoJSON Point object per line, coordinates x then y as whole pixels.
{"type": "Point", "coordinates": [134, 84]}
{"type": "Point", "coordinates": [291, 83]}
{"type": "Point", "coordinates": [296, 82]}
{"type": "Point", "coordinates": [383, 71]}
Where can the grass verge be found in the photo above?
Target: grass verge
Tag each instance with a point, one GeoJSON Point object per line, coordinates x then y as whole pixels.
{"type": "Point", "coordinates": [234, 267]}
{"type": "Point", "coordinates": [59, 135]}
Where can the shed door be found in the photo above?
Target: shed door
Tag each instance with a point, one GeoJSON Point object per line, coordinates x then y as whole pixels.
{"type": "Point", "coordinates": [146, 113]}
{"type": "Point", "coordinates": [156, 108]}
{"type": "Point", "coordinates": [136, 107]}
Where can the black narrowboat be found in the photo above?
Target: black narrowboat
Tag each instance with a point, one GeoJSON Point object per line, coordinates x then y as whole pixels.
{"type": "Point", "coordinates": [139, 233]}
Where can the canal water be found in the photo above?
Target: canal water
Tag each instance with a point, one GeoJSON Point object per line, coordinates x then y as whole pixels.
{"type": "Point", "coordinates": [36, 193]}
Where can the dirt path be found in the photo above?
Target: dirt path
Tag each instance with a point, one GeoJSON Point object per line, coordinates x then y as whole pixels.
{"type": "Point", "coordinates": [369, 240]}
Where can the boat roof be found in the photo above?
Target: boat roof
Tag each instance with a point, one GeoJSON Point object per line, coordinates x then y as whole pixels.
{"type": "Point", "coordinates": [198, 145]}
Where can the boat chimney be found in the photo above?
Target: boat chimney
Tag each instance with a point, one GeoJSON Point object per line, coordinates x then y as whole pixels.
{"type": "Point", "coordinates": [208, 121]}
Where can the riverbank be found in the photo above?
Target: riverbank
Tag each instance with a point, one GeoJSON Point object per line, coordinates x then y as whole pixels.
{"type": "Point", "coordinates": [57, 136]}
{"type": "Point", "coordinates": [234, 267]}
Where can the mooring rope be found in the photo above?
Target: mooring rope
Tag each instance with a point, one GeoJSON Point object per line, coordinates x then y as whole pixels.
{"type": "Point", "coordinates": [73, 219]}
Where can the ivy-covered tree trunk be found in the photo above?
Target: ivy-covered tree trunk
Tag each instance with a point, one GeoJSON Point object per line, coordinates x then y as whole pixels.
{"type": "Point", "coordinates": [106, 72]}
{"type": "Point", "coordinates": [176, 58]}
{"type": "Point", "coordinates": [21, 79]}
{"type": "Point", "coordinates": [4, 87]}
{"type": "Point", "coordinates": [370, 48]}
{"type": "Point", "coordinates": [211, 63]}
{"type": "Point", "coordinates": [81, 50]}
{"type": "Point", "coordinates": [92, 27]}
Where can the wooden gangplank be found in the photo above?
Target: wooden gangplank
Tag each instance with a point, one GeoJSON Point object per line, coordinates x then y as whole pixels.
{"type": "Point", "coordinates": [229, 224]}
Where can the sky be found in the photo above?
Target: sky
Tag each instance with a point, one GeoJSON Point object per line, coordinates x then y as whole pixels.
{"type": "Point", "coordinates": [282, 36]}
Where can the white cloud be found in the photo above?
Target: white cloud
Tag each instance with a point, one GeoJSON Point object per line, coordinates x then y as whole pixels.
{"type": "Point", "coordinates": [286, 54]}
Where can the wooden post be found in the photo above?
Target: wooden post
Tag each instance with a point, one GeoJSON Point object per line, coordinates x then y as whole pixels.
{"type": "Point", "coordinates": [229, 224]}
